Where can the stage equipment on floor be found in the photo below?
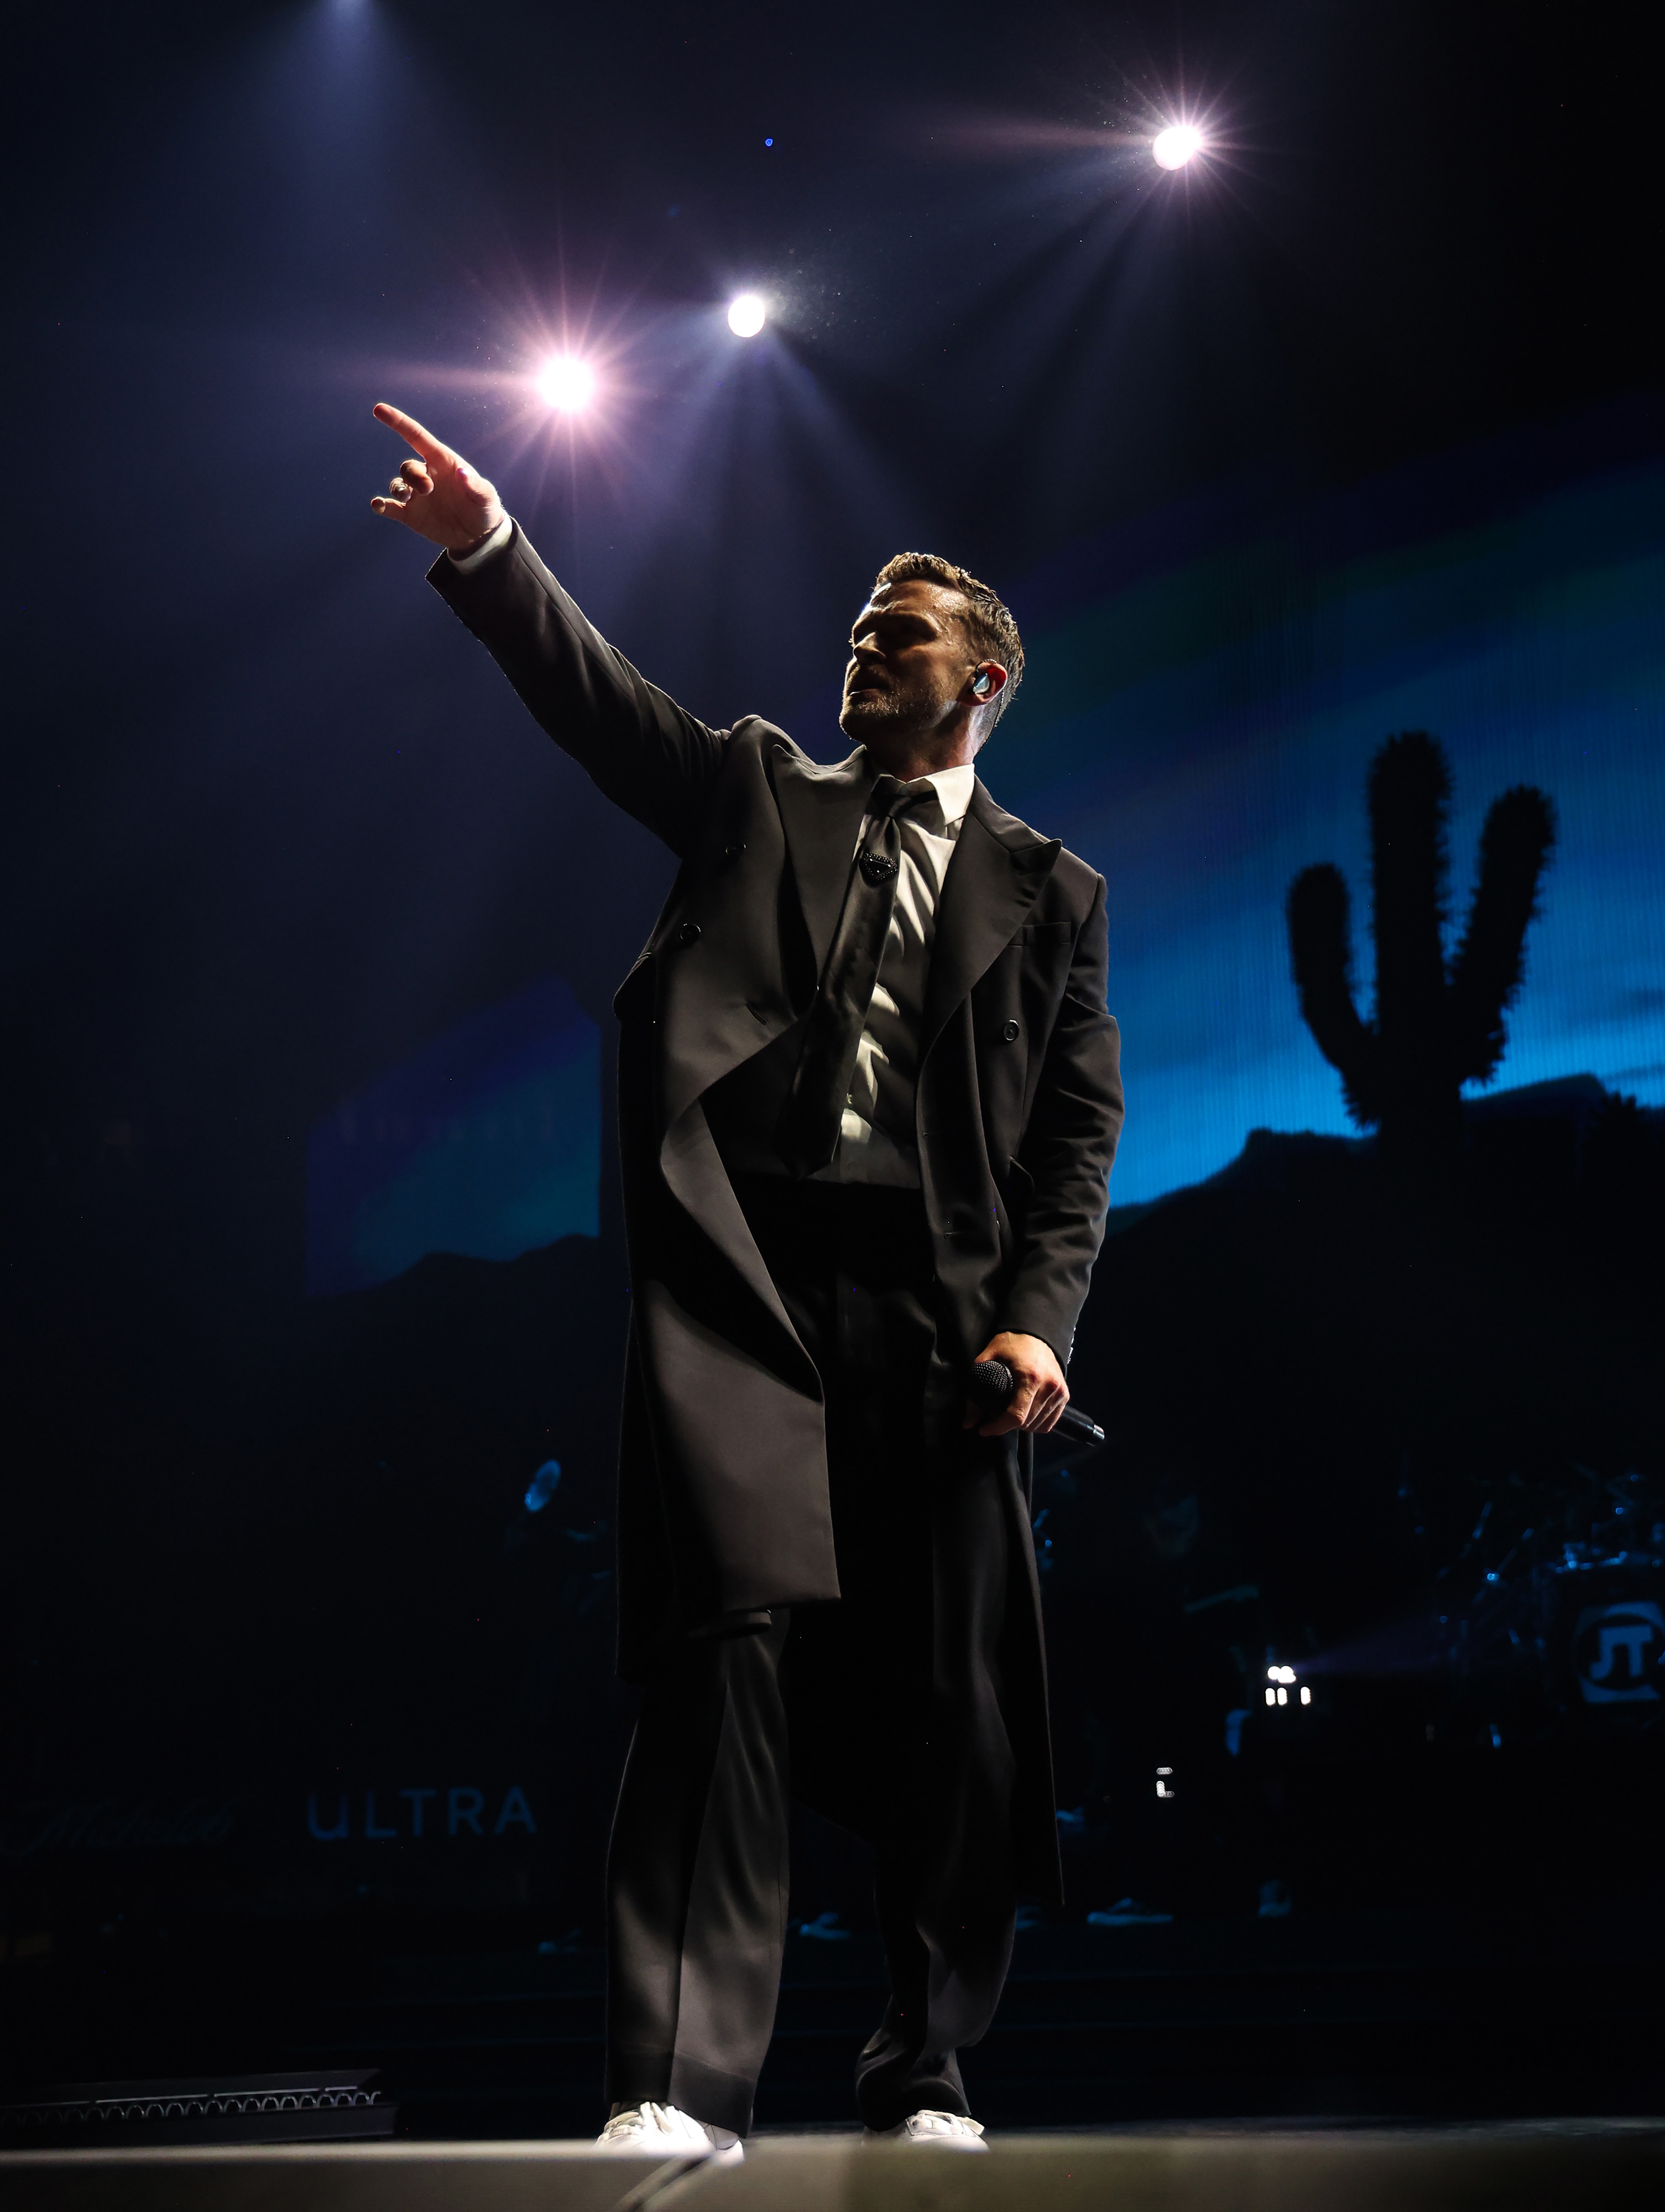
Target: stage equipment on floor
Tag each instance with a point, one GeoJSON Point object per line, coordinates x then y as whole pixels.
{"type": "Point", "coordinates": [325, 2106]}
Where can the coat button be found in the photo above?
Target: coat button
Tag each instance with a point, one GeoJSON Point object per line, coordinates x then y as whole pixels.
{"type": "Point", "coordinates": [732, 852]}
{"type": "Point", "coordinates": [689, 933]}
{"type": "Point", "coordinates": [1010, 1032]}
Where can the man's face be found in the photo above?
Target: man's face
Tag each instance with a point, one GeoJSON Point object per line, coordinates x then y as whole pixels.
{"type": "Point", "coordinates": [910, 662]}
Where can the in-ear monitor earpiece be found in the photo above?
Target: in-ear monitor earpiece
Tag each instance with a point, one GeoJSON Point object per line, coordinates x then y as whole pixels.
{"type": "Point", "coordinates": [980, 683]}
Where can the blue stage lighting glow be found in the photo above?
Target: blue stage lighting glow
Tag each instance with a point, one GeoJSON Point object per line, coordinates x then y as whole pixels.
{"type": "Point", "coordinates": [769, 142]}
{"type": "Point", "coordinates": [745, 315]}
{"type": "Point", "coordinates": [1174, 147]}
{"type": "Point", "coordinates": [543, 1486]}
{"type": "Point", "coordinates": [566, 384]}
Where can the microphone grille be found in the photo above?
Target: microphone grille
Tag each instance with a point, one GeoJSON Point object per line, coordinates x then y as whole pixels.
{"type": "Point", "coordinates": [993, 1381]}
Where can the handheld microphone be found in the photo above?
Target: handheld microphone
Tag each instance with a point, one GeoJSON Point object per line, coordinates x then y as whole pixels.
{"type": "Point", "coordinates": [993, 1383]}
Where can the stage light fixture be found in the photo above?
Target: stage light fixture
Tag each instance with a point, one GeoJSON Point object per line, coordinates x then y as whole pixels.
{"type": "Point", "coordinates": [566, 384]}
{"type": "Point", "coordinates": [745, 315]}
{"type": "Point", "coordinates": [1174, 147]}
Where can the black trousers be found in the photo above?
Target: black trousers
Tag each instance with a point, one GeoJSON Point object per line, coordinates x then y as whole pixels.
{"type": "Point", "coordinates": [883, 1712]}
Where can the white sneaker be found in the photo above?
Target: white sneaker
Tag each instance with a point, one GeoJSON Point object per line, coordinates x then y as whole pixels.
{"type": "Point", "coordinates": [942, 2130]}
{"type": "Point", "coordinates": [662, 2131]}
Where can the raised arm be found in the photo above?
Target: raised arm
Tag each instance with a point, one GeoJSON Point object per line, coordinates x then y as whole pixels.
{"type": "Point", "coordinates": [643, 750]}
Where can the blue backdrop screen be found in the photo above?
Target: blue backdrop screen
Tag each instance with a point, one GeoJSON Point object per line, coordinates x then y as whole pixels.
{"type": "Point", "coordinates": [1204, 697]}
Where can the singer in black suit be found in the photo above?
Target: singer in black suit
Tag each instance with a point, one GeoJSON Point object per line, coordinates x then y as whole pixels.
{"type": "Point", "coordinates": [869, 1098]}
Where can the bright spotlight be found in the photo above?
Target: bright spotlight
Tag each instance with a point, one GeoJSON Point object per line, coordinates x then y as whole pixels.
{"type": "Point", "coordinates": [745, 316]}
{"type": "Point", "coordinates": [1175, 146]}
{"type": "Point", "coordinates": [566, 384]}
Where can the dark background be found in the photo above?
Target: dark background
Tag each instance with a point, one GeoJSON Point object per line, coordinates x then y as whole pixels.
{"type": "Point", "coordinates": [272, 825]}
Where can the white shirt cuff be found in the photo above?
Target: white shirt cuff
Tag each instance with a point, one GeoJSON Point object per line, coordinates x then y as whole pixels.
{"type": "Point", "coordinates": [493, 544]}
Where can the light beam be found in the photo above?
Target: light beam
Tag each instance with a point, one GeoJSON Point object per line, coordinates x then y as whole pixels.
{"type": "Point", "coordinates": [745, 315]}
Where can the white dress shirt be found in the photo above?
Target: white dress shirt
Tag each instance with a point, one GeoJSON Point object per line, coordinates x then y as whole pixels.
{"type": "Point", "coordinates": [876, 1140]}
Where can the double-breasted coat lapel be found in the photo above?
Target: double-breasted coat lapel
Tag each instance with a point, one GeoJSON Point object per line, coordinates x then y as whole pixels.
{"type": "Point", "coordinates": [998, 865]}
{"type": "Point", "coordinates": [741, 1001]}
{"type": "Point", "coordinates": [756, 1482]}
{"type": "Point", "coordinates": [821, 812]}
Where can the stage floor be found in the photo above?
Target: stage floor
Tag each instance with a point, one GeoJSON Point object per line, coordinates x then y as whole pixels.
{"type": "Point", "coordinates": [1585, 2165]}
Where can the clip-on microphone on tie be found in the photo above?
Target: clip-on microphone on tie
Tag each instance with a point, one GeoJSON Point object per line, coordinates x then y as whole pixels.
{"type": "Point", "coordinates": [993, 1383]}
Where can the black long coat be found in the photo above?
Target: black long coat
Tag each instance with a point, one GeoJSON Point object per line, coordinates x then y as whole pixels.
{"type": "Point", "coordinates": [723, 1496]}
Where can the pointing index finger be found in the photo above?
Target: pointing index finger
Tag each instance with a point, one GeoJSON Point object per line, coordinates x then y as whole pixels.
{"type": "Point", "coordinates": [412, 432]}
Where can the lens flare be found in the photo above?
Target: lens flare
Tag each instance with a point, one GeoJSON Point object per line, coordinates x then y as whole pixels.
{"type": "Point", "coordinates": [1174, 147]}
{"type": "Point", "coordinates": [566, 384]}
{"type": "Point", "coordinates": [745, 316]}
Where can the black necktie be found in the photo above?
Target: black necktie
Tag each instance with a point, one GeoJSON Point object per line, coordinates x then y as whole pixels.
{"type": "Point", "coordinates": [808, 1133]}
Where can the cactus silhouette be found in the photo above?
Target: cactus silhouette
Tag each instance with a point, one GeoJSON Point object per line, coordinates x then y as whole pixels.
{"type": "Point", "coordinates": [1437, 1024]}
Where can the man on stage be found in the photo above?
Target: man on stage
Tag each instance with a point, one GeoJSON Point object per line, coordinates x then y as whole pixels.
{"type": "Point", "coordinates": [869, 1098]}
